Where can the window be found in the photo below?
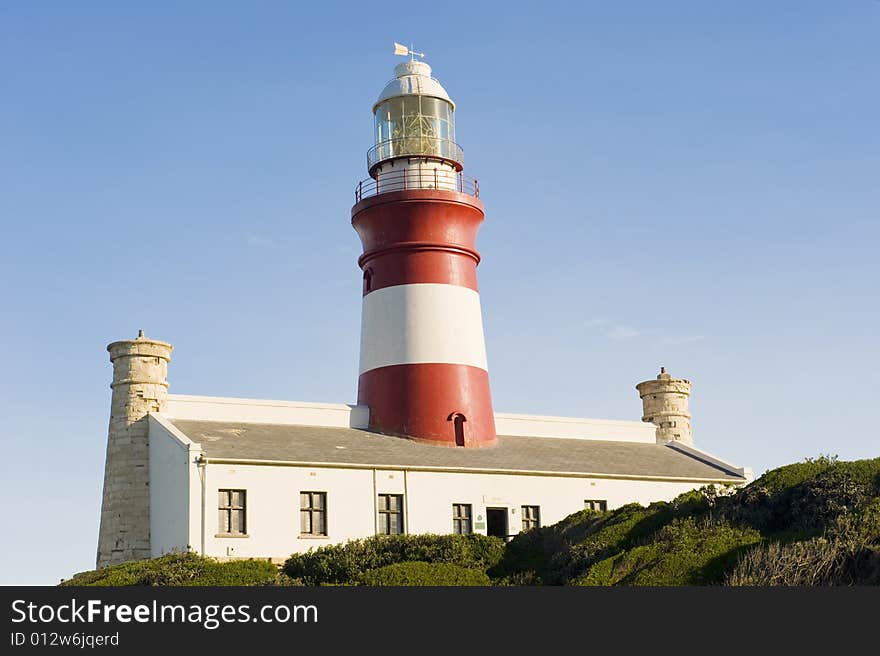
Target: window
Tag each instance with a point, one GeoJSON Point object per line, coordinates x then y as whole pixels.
{"type": "Point", "coordinates": [531, 517]}
{"type": "Point", "coordinates": [313, 513]}
{"type": "Point", "coordinates": [231, 513]}
{"type": "Point", "coordinates": [461, 518]}
{"type": "Point", "coordinates": [596, 504]}
{"type": "Point", "coordinates": [390, 514]}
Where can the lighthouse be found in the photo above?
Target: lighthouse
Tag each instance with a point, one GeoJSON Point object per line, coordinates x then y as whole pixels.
{"type": "Point", "coordinates": [423, 370]}
{"type": "Point", "coordinates": [232, 477]}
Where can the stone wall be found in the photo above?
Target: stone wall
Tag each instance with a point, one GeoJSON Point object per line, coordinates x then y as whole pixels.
{"type": "Point", "coordinates": [140, 386]}
{"type": "Point", "coordinates": [665, 404]}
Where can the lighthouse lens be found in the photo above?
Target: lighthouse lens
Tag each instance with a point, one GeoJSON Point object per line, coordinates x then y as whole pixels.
{"type": "Point", "coordinates": [415, 125]}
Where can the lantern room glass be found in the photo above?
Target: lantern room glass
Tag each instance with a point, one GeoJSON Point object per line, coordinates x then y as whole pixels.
{"type": "Point", "coordinates": [415, 125]}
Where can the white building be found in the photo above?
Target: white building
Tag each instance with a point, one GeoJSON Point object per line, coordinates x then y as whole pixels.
{"type": "Point", "coordinates": [231, 477]}
{"type": "Point", "coordinates": [309, 474]}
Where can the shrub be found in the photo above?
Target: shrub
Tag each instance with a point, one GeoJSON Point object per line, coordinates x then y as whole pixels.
{"type": "Point", "coordinates": [422, 573]}
{"type": "Point", "coordinates": [179, 570]}
{"type": "Point", "coordinates": [684, 552]}
{"type": "Point", "coordinates": [525, 557]}
{"type": "Point", "coordinates": [602, 538]}
{"type": "Point", "coordinates": [346, 563]}
{"type": "Point", "coordinates": [529, 577]}
{"type": "Point", "coordinates": [805, 499]}
{"type": "Point", "coordinates": [569, 548]}
{"type": "Point", "coordinates": [848, 553]}
{"type": "Point", "coordinates": [788, 476]}
{"type": "Point", "coordinates": [811, 562]}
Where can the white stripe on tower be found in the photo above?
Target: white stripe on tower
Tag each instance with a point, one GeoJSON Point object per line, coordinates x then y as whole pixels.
{"type": "Point", "coordinates": [422, 323]}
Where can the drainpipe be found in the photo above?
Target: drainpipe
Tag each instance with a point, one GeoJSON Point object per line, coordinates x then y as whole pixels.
{"type": "Point", "coordinates": [405, 505]}
{"type": "Point", "coordinates": [375, 506]}
{"type": "Point", "coordinates": [202, 462]}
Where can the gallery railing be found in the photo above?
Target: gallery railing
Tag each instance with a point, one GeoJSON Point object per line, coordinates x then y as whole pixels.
{"type": "Point", "coordinates": [417, 178]}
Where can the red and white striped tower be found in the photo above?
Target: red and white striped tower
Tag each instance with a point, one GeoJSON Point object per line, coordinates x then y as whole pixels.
{"type": "Point", "coordinates": [423, 370]}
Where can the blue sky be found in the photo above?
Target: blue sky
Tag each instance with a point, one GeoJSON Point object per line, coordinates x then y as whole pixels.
{"type": "Point", "coordinates": [686, 184]}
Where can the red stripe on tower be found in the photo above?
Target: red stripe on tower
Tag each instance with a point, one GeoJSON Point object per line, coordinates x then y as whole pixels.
{"type": "Point", "coordinates": [423, 370]}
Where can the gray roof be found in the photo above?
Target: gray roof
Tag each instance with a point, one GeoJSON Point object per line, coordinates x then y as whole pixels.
{"type": "Point", "coordinates": [358, 448]}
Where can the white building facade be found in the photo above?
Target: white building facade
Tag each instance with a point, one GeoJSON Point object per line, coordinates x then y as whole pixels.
{"type": "Point", "coordinates": [237, 478]}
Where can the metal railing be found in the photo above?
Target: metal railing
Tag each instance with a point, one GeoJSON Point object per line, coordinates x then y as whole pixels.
{"type": "Point", "coordinates": [418, 178]}
{"type": "Point", "coordinates": [416, 146]}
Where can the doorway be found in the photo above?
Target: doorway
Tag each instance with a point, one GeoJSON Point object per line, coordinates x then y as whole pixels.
{"type": "Point", "coordinates": [496, 522]}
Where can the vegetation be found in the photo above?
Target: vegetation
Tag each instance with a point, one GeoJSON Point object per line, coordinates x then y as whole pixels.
{"type": "Point", "coordinates": [684, 552]}
{"type": "Point", "coordinates": [422, 573]}
{"type": "Point", "coordinates": [180, 569]}
{"type": "Point", "coordinates": [347, 564]}
{"type": "Point", "coordinates": [848, 553]}
{"type": "Point", "coordinates": [811, 523]}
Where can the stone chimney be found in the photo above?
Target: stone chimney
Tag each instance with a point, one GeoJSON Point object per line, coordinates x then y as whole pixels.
{"type": "Point", "coordinates": [140, 386]}
{"type": "Point", "coordinates": [665, 404]}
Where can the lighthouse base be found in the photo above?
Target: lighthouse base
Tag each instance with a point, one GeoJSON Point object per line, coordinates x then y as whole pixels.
{"type": "Point", "coordinates": [440, 404]}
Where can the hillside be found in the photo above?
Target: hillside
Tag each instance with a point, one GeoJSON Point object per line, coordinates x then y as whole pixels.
{"type": "Point", "coordinates": [810, 523]}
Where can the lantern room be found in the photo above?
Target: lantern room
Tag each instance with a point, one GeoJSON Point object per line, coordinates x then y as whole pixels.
{"type": "Point", "coordinates": [414, 132]}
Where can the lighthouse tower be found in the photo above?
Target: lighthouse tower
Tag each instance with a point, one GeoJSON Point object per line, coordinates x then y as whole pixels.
{"type": "Point", "coordinates": [423, 371]}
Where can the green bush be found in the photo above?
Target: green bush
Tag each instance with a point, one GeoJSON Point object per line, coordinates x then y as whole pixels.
{"type": "Point", "coordinates": [346, 563]}
{"type": "Point", "coordinates": [525, 557]}
{"type": "Point", "coordinates": [180, 570]}
{"type": "Point", "coordinates": [422, 573]}
{"type": "Point", "coordinates": [786, 477]}
{"type": "Point", "coordinates": [684, 552]}
{"type": "Point", "coordinates": [556, 554]}
{"type": "Point", "coordinates": [805, 499]}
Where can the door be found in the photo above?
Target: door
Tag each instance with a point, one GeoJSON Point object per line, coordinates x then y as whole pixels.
{"type": "Point", "coordinates": [496, 522]}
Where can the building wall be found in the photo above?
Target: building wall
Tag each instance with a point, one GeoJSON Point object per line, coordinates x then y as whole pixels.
{"type": "Point", "coordinates": [273, 501]}
{"type": "Point", "coordinates": [273, 517]}
{"type": "Point", "coordinates": [260, 411]}
{"type": "Point", "coordinates": [433, 493]}
{"type": "Point", "coordinates": [574, 428]}
{"type": "Point", "coordinates": [169, 492]}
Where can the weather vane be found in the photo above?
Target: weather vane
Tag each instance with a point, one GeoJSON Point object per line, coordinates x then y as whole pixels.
{"type": "Point", "coordinates": [404, 51]}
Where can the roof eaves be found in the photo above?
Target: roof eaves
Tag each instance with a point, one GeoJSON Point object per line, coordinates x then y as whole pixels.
{"type": "Point", "coordinates": [469, 470]}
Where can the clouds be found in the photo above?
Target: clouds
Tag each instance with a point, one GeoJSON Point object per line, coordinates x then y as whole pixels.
{"type": "Point", "coordinates": [682, 339]}
{"type": "Point", "coordinates": [611, 329]}
{"type": "Point", "coordinates": [259, 241]}
{"type": "Point", "coordinates": [622, 332]}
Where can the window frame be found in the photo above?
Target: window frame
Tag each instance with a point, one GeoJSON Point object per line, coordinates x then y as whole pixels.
{"type": "Point", "coordinates": [312, 511]}
{"type": "Point", "coordinates": [589, 504]}
{"type": "Point", "coordinates": [528, 521]}
{"type": "Point", "coordinates": [226, 505]}
{"type": "Point", "coordinates": [458, 519]}
{"type": "Point", "coordinates": [384, 516]}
